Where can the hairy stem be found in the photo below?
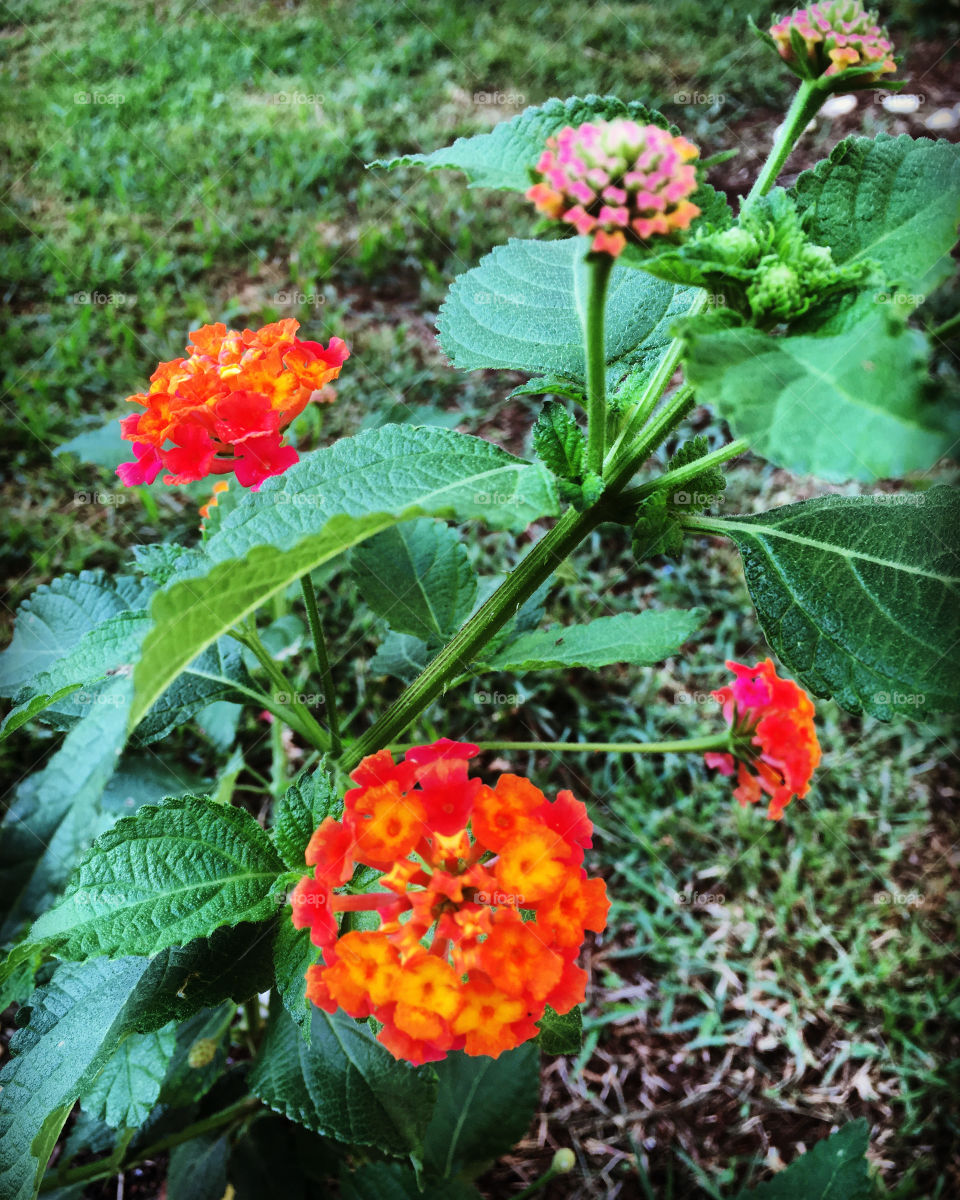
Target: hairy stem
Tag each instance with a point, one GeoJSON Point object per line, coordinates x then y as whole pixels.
{"type": "Point", "coordinates": [681, 475]}
{"type": "Point", "coordinates": [457, 655]}
{"type": "Point", "coordinates": [715, 741]}
{"type": "Point", "coordinates": [810, 95]}
{"type": "Point", "coordinates": [323, 661]}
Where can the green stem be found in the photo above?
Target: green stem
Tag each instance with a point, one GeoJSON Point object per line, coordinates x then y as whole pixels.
{"type": "Point", "coordinates": [457, 655]}
{"type": "Point", "coordinates": [715, 741]}
{"type": "Point", "coordinates": [323, 661]}
{"type": "Point", "coordinates": [314, 733]}
{"type": "Point", "coordinates": [595, 350]}
{"type": "Point", "coordinates": [101, 1170]}
{"type": "Point", "coordinates": [947, 327]}
{"type": "Point", "coordinates": [681, 475]}
{"type": "Point", "coordinates": [670, 415]}
{"type": "Point", "coordinates": [810, 95]}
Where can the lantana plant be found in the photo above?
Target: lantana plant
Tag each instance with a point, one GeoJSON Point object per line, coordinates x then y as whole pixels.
{"type": "Point", "coordinates": [398, 931]}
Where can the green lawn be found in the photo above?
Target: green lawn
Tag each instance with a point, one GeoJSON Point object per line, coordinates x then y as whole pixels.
{"type": "Point", "coordinates": [170, 164]}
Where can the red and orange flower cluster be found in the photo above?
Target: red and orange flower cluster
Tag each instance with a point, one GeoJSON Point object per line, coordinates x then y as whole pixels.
{"type": "Point", "coordinates": [832, 37]}
{"type": "Point", "coordinates": [484, 913]}
{"type": "Point", "coordinates": [223, 408]}
{"type": "Point", "coordinates": [776, 747]}
{"type": "Point", "coordinates": [617, 181]}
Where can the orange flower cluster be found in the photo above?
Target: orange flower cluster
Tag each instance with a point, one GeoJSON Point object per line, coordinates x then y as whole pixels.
{"type": "Point", "coordinates": [225, 405]}
{"type": "Point", "coordinates": [776, 747]}
{"type": "Point", "coordinates": [486, 906]}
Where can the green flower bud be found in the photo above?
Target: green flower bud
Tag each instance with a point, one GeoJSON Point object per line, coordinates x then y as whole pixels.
{"type": "Point", "coordinates": [563, 1161]}
{"type": "Point", "coordinates": [201, 1052]}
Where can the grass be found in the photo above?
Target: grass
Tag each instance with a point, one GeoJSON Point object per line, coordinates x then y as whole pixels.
{"type": "Point", "coordinates": [175, 163]}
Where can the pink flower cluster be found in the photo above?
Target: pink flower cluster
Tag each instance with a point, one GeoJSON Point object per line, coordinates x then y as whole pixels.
{"type": "Point", "coordinates": [837, 35]}
{"type": "Point", "coordinates": [617, 180]}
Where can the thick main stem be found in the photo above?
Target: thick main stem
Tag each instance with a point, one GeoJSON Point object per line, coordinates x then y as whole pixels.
{"type": "Point", "coordinates": [599, 266]}
{"type": "Point", "coordinates": [457, 655]}
{"type": "Point", "coordinates": [323, 661]}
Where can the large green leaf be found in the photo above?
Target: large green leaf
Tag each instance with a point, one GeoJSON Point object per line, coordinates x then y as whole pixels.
{"type": "Point", "coordinates": [56, 813]}
{"type": "Point", "coordinates": [128, 1086]}
{"type": "Point", "coordinates": [835, 1168]}
{"type": "Point", "coordinates": [293, 953]}
{"type": "Point", "coordinates": [846, 406]}
{"type": "Point", "coordinates": [484, 1106]}
{"type": "Point", "coordinates": [503, 158]}
{"type": "Point", "coordinates": [859, 596]}
{"type": "Point", "coordinates": [198, 1169]}
{"type": "Point", "coordinates": [163, 877]}
{"type": "Point", "coordinates": [75, 1025]}
{"type": "Point", "coordinates": [57, 615]}
{"type": "Point", "coordinates": [523, 307]}
{"type": "Point", "coordinates": [639, 638]}
{"type": "Point", "coordinates": [893, 200]}
{"type": "Point", "coordinates": [343, 1084]}
{"type": "Point", "coordinates": [332, 500]}
{"type": "Point", "coordinates": [418, 577]}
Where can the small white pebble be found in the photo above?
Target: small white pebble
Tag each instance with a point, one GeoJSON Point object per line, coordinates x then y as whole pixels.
{"type": "Point", "coordinates": [901, 104]}
{"type": "Point", "coordinates": [839, 106]}
{"type": "Point", "coordinates": [943, 118]}
{"type": "Point", "coordinates": [809, 129]}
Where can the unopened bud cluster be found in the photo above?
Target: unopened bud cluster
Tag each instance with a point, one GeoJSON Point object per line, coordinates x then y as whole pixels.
{"type": "Point", "coordinates": [617, 181]}
{"type": "Point", "coordinates": [826, 39]}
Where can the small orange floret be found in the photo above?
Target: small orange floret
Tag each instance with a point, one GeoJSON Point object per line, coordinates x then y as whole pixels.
{"type": "Point", "coordinates": [533, 864]}
{"type": "Point", "coordinates": [501, 813]}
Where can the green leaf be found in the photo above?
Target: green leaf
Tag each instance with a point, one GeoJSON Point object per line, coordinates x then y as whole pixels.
{"type": "Point", "coordinates": [293, 953]}
{"type": "Point", "coordinates": [847, 406]}
{"type": "Point", "coordinates": [75, 1024]}
{"type": "Point", "coordinates": [834, 1169]}
{"type": "Point", "coordinates": [234, 963]}
{"type": "Point", "coordinates": [400, 655]}
{"type": "Point", "coordinates": [163, 877]}
{"type": "Point", "coordinates": [503, 158]}
{"type": "Point", "coordinates": [22, 713]}
{"type": "Point", "coordinates": [893, 200]}
{"type": "Point", "coordinates": [559, 441]}
{"type": "Point", "coordinates": [418, 577]}
{"type": "Point", "coordinates": [215, 675]}
{"type": "Point", "coordinates": [104, 446]}
{"type": "Point", "coordinates": [55, 813]}
{"type": "Point", "coordinates": [127, 1088]}
{"type": "Point", "coordinates": [638, 638]}
{"type": "Point", "coordinates": [394, 1181]}
{"type": "Point", "coordinates": [561, 1034]}
{"type": "Point", "coordinates": [198, 1169]}
{"type": "Point", "coordinates": [300, 810]}
{"type": "Point", "coordinates": [859, 596]}
{"type": "Point", "coordinates": [330, 501]}
{"type": "Point", "coordinates": [57, 615]}
{"type": "Point", "coordinates": [484, 1106]}
{"type": "Point", "coordinates": [523, 307]}
{"type": "Point", "coordinates": [344, 1084]}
